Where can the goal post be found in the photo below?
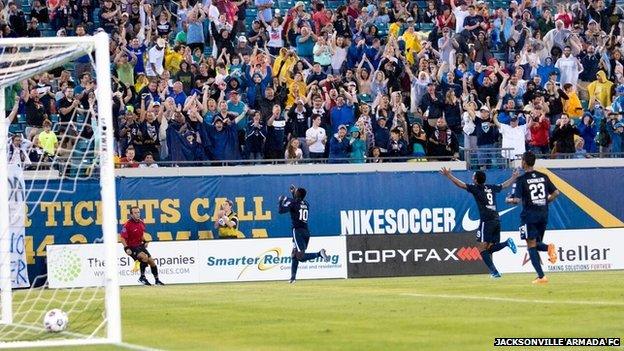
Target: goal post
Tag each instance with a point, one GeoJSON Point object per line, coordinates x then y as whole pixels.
{"type": "Point", "coordinates": [21, 321]}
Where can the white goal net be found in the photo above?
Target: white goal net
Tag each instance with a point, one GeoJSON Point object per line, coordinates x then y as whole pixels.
{"type": "Point", "coordinates": [56, 150]}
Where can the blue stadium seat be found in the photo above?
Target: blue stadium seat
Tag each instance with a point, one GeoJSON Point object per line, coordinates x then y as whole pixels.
{"type": "Point", "coordinates": [365, 98]}
{"type": "Point", "coordinates": [15, 129]}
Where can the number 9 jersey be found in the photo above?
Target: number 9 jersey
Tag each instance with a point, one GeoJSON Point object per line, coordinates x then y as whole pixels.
{"type": "Point", "coordinates": [533, 188]}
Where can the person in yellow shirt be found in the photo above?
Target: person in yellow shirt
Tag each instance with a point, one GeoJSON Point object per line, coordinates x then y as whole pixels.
{"type": "Point", "coordinates": [412, 44]}
{"type": "Point", "coordinates": [226, 222]}
{"type": "Point", "coordinates": [141, 81]}
{"type": "Point", "coordinates": [47, 139]}
{"type": "Point", "coordinates": [600, 90]}
{"type": "Point", "coordinates": [572, 105]}
{"type": "Point", "coordinates": [394, 30]}
{"type": "Point", "coordinates": [284, 63]}
{"type": "Point", "coordinates": [297, 88]}
{"type": "Point", "coordinates": [173, 58]}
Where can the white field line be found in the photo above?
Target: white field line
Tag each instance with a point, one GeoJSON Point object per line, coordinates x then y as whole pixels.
{"type": "Point", "coordinates": [510, 299]}
{"type": "Point", "coordinates": [84, 336]}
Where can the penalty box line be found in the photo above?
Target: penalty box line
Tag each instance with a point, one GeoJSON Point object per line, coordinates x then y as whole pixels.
{"type": "Point", "coordinates": [510, 299]}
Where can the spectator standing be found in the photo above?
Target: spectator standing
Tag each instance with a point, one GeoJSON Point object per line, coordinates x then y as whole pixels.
{"type": "Point", "coordinates": [539, 128]}
{"type": "Point", "coordinates": [276, 134]}
{"type": "Point", "coordinates": [156, 58]}
{"type": "Point", "coordinates": [587, 131]}
{"type": "Point", "coordinates": [487, 135]}
{"type": "Point", "coordinates": [563, 136]}
{"type": "Point", "coordinates": [255, 138]}
{"type": "Point", "coordinates": [316, 138]}
{"type": "Point", "coordinates": [299, 121]}
{"type": "Point", "coordinates": [40, 12]}
{"type": "Point", "coordinates": [570, 67]}
{"type": "Point", "coordinates": [397, 147]}
{"type": "Point", "coordinates": [442, 143]}
{"type": "Point", "coordinates": [128, 161]}
{"type": "Point", "coordinates": [343, 113]}
{"type": "Point", "coordinates": [33, 30]}
{"type": "Point", "coordinates": [48, 141]}
{"type": "Point", "coordinates": [357, 143]}
{"type": "Point", "coordinates": [514, 137]}
{"type": "Point", "coordinates": [223, 136]}
{"type": "Point", "coordinates": [35, 112]}
{"type": "Point", "coordinates": [293, 153]}
{"type": "Point", "coordinates": [339, 146]}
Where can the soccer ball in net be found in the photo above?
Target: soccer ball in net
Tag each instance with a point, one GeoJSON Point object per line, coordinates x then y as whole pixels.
{"type": "Point", "coordinates": [55, 321]}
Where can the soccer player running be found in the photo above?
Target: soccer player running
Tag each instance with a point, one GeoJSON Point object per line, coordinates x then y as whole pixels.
{"type": "Point", "coordinates": [135, 246]}
{"type": "Point", "coordinates": [299, 210]}
{"type": "Point", "coordinates": [488, 235]}
{"type": "Point", "coordinates": [535, 191]}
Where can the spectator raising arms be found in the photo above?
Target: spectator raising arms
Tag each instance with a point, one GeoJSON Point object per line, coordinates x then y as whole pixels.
{"type": "Point", "coordinates": [201, 81]}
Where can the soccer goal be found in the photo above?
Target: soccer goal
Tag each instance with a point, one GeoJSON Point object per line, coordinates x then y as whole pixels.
{"type": "Point", "coordinates": [38, 179]}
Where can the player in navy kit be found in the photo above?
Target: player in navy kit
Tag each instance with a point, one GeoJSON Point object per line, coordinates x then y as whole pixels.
{"type": "Point", "coordinates": [488, 234]}
{"type": "Point", "coordinates": [299, 211]}
{"type": "Point", "coordinates": [535, 191]}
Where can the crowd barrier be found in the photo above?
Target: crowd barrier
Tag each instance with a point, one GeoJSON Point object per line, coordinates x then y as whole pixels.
{"type": "Point", "coordinates": [352, 256]}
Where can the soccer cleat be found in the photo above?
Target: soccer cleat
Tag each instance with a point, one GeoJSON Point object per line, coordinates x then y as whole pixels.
{"type": "Point", "coordinates": [552, 253]}
{"type": "Point", "coordinates": [512, 245]}
{"type": "Point", "coordinates": [144, 281]}
{"type": "Point", "coordinates": [158, 282]}
{"type": "Point", "coordinates": [136, 266]}
{"type": "Point", "coordinates": [292, 281]}
{"type": "Point", "coordinates": [495, 275]}
{"type": "Point", "coordinates": [324, 255]}
{"type": "Point", "coordinates": [542, 280]}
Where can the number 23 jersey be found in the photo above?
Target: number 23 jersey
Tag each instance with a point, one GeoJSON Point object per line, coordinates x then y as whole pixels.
{"type": "Point", "coordinates": [533, 189]}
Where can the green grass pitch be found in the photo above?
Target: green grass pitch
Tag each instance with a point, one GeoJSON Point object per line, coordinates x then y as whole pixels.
{"type": "Point", "coordinates": [414, 313]}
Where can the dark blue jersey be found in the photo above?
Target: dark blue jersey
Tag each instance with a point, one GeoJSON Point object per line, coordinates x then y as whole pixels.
{"type": "Point", "coordinates": [485, 196]}
{"type": "Point", "coordinates": [533, 189]}
{"type": "Point", "coordinates": [298, 212]}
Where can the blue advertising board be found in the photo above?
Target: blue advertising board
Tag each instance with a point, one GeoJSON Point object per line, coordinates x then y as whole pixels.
{"type": "Point", "coordinates": [182, 208]}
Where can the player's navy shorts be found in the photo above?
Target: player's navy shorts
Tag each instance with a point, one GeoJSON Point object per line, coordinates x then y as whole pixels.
{"type": "Point", "coordinates": [301, 238]}
{"type": "Point", "coordinates": [137, 250]}
{"type": "Point", "coordinates": [489, 232]}
{"type": "Point", "coordinates": [533, 231]}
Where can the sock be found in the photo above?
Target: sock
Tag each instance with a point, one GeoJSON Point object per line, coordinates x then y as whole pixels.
{"type": "Point", "coordinates": [143, 266]}
{"type": "Point", "coordinates": [535, 261]}
{"type": "Point", "coordinates": [498, 247]}
{"type": "Point", "coordinates": [154, 269]}
{"type": "Point", "coordinates": [542, 247]}
{"type": "Point", "coordinates": [293, 268]}
{"type": "Point", "coordinates": [310, 256]}
{"type": "Point", "coordinates": [487, 259]}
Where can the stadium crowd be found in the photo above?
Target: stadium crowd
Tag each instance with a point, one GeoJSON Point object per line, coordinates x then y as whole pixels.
{"type": "Point", "coordinates": [351, 82]}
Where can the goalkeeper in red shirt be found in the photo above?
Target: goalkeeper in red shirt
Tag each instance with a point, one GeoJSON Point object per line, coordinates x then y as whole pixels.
{"type": "Point", "coordinates": [135, 246]}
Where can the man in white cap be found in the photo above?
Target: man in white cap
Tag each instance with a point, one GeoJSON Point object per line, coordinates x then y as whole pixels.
{"type": "Point", "coordinates": [155, 59]}
{"type": "Point", "coordinates": [242, 47]}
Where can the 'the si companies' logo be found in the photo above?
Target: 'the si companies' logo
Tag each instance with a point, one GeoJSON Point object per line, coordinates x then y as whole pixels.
{"type": "Point", "coordinates": [68, 267]}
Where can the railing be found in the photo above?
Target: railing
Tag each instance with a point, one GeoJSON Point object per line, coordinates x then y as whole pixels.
{"type": "Point", "coordinates": [489, 158]}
